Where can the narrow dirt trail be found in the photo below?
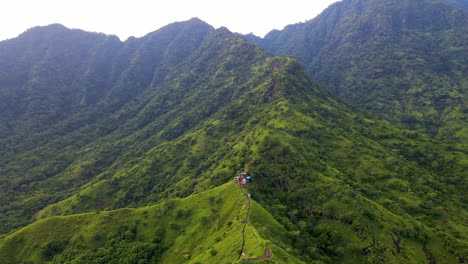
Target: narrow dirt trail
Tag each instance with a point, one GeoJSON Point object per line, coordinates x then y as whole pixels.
{"type": "Point", "coordinates": [246, 221]}
{"type": "Point", "coordinates": [267, 253]}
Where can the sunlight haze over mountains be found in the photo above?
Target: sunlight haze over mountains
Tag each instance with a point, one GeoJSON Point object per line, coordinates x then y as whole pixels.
{"type": "Point", "coordinates": [137, 18]}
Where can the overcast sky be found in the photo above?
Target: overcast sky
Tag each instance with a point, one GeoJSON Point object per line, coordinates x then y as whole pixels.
{"type": "Point", "coordinates": [139, 17]}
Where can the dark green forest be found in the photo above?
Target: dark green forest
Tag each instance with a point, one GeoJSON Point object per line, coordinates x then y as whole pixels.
{"type": "Point", "coordinates": [125, 152]}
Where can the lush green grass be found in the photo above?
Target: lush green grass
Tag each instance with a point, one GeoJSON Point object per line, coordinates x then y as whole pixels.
{"type": "Point", "coordinates": [203, 228]}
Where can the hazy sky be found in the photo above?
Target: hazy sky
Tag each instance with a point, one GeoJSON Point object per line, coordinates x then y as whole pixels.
{"type": "Point", "coordinates": [139, 17]}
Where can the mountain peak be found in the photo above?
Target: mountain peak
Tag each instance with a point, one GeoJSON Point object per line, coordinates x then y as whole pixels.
{"type": "Point", "coordinates": [224, 31]}
{"type": "Point", "coordinates": [56, 27]}
{"type": "Point", "coordinates": [184, 26]}
{"type": "Point", "coordinates": [196, 20]}
{"type": "Point", "coordinates": [191, 21]}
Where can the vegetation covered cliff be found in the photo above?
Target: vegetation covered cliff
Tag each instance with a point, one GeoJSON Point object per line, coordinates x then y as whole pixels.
{"type": "Point", "coordinates": [404, 60]}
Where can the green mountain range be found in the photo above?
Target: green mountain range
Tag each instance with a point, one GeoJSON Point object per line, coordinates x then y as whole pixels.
{"type": "Point", "coordinates": [125, 152]}
{"type": "Point", "coordinates": [403, 60]}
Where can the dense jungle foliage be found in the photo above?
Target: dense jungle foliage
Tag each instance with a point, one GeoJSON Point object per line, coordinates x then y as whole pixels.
{"type": "Point", "coordinates": [405, 60]}
{"type": "Point", "coordinates": [121, 151]}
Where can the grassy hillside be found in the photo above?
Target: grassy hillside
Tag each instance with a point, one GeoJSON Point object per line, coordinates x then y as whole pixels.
{"type": "Point", "coordinates": [203, 228]}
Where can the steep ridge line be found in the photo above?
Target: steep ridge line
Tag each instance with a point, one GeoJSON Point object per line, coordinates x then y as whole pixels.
{"type": "Point", "coordinates": [245, 224]}
{"type": "Point", "coordinates": [267, 253]}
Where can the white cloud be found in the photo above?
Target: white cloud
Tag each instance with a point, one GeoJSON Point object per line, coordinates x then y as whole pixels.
{"type": "Point", "coordinates": [139, 17]}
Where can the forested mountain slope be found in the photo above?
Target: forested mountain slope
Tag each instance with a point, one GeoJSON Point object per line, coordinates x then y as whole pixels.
{"type": "Point", "coordinates": [405, 60]}
{"type": "Point", "coordinates": [64, 90]}
{"type": "Point", "coordinates": [183, 110]}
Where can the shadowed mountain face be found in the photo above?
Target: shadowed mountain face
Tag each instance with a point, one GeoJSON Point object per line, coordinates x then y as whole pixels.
{"type": "Point", "coordinates": [96, 124]}
{"type": "Point", "coordinates": [51, 73]}
{"type": "Point", "coordinates": [404, 60]}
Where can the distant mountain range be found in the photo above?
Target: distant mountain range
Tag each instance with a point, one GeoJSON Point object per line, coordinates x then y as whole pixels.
{"type": "Point", "coordinates": [125, 152]}
{"type": "Point", "coordinates": [404, 60]}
